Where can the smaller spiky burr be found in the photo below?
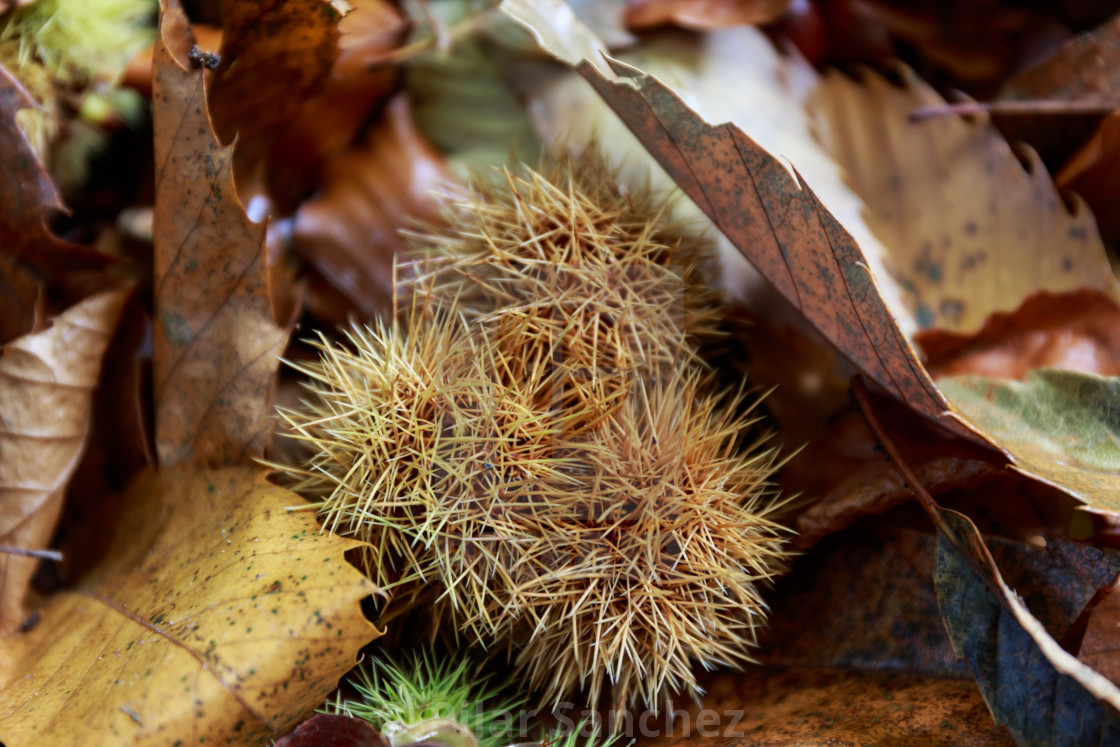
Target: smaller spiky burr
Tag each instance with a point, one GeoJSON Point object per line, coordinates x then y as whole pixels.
{"type": "Point", "coordinates": [572, 275]}
{"type": "Point", "coordinates": [656, 560]}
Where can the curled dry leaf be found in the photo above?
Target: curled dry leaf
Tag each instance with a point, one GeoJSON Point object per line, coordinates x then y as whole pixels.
{"type": "Point", "coordinates": [215, 339]}
{"type": "Point", "coordinates": [46, 393]}
{"type": "Point", "coordinates": [1078, 331]}
{"type": "Point", "coordinates": [702, 15]}
{"type": "Point", "coordinates": [350, 232]}
{"type": "Point", "coordinates": [217, 615]}
{"type": "Point", "coordinates": [970, 230]}
{"type": "Point", "coordinates": [28, 197]}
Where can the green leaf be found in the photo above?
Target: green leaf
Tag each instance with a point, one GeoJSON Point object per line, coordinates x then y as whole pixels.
{"type": "Point", "coordinates": [1060, 426]}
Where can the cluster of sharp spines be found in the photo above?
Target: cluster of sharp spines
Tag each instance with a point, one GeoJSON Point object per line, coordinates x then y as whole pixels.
{"type": "Point", "coordinates": [569, 489]}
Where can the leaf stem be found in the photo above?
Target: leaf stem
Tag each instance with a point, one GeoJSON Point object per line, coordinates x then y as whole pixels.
{"type": "Point", "coordinates": [54, 555]}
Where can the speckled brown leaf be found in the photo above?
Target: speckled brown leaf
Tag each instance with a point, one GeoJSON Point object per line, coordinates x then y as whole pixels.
{"type": "Point", "coordinates": [46, 395]}
{"type": "Point", "coordinates": [784, 708]}
{"type": "Point", "coordinates": [350, 231]}
{"type": "Point", "coordinates": [218, 616]}
{"type": "Point", "coordinates": [216, 342]}
{"type": "Point", "coordinates": [954, 204]}
{"type": "Point", "coordinates": [1078, 331]}
{"type": "Point", "coordinates": [702, 14]}
{"type": "Point", "coordinates": [273, 56]}
{"type": "Point", "coordinates": [28, 197]}
{"type": "Point", "coordinates": [777, 221]}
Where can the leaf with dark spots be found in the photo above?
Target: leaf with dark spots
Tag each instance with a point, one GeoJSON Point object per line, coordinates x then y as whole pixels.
{"type": "Point", "coordinates": [175, 632]}
{"type": "Point", "coordinates": [216, 342]}
{"type": "Point", "coordinates": [28, 198]}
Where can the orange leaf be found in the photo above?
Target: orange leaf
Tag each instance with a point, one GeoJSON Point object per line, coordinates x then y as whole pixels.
{"type": "Point", "coordinates": [215, 339]}
{"type": "Point", "coordinates": [46, 394]}
{"type": "Point", "coordinates": [28, 197]}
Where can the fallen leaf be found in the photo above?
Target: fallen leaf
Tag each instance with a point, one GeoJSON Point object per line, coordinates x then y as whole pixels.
{"type": "Point", "coordinates": [1077, 331]}
{"type": "Point", "coordinates": [218, 615]}
{"type": "Point", "coordinates": [273, 57]}
{"type": "Point", "coordinates": [21, 299]}
{"type": "Point", "coordinates": [702, 15]}
{"type": "Point", "coordinates": [1083, 70]}
{"type": "Point", "coordinates": [46, 392]}
{"type": "Point", "coordinates": [215, 339]}
{"type": "Point", "coordinates": [1094, 174]}
{"type": "Point", "coordinates": [1060, 426]}
{"type": "Point", "coordinates": [1099, 644]}
{"type": "Point", "coordinates": [778, 222]}
{"type": "Point", "coordinates": [350, 231]}
{"type": "Point", "coordinates": [954, 204]}
{"type": "Point", "coordinates": [780, 708]}
{"type": "Point", "coordinates": [28, 198]}
{"type": "Point", "coordinates": [339, 106]}
{"type": "Point", "coordinates": [333, 730]}
{"type": "Point", "coordinates": [1040, 692]}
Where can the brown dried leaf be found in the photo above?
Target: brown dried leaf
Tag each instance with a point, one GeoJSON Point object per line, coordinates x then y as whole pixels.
{"type": "Point", "coordinates": [702, 15]}
{"type": "Point", "coordinates": [954, 204]}
{"type": "Point", "coordinates": [217, 616]}
{"type": "Point", "coordinates": [327, 121]}
{"type": "Point", "coordinates": [1078, 331]}
{"type": "Point", "coordinates": [273, 57]}
{"type": "Point", "coordinates": [777, 221]}
{"type": "Point", "coordinates": [216, 342]}
{"type": "Point", "coordinates": [46, 392]}
{"type": "Point", "coordinates": [1094, 174]}
{"type": "Point", "coordinates": [21, 296]}
{"type": "Point", "coordinates": [28, 197]}
{"type": "Point", "coordinates": [1100, 645]}
{"type": "Point", "coordinates": [349, 232]}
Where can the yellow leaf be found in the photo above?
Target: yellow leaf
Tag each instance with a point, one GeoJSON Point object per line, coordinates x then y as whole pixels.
{"type": "Point", "coordinates": [216, 614]}
{"type": "Point", "coordinates": [46, 392]}
{"type": "Point", "coordinates": [969, 230]}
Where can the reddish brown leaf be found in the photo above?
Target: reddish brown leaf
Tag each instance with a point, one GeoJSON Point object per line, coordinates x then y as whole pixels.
{"type": "Point", "coordinates": [215, 340]}
{"type": "Point", "coordinates": [1078, 331]}
{"type": "Point", "coordinates": [46, 391]}
{"type": "Point", "coordinates": [702, 15]}
{"type": "Point", "coordinates": [349, 232]}
{"type": "Point", "coordinates": [1094, 173]}
{"type": "Point", "coordinates": [28, 197]}
{"type": "Point", "coordinates": [273, 56]}
{"type": "Point", "coordinates": [333, 730]}
{"type": "Point", "coordinates": [1100, 645]}
{"type": "Point", "coordinates": [21, 296]}
{"type": "Point", "coordinates": [779, 224]}
{"type": "Point", "coordinates": [340, 105]}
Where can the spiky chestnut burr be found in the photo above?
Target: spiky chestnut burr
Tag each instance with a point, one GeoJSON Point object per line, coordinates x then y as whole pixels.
{"type": "Point", "coordinates": [654, 560]}
{"type": "Point", "coordinates": [570, 273]}
{"type": "Point", "coordinates": [412, 439]}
